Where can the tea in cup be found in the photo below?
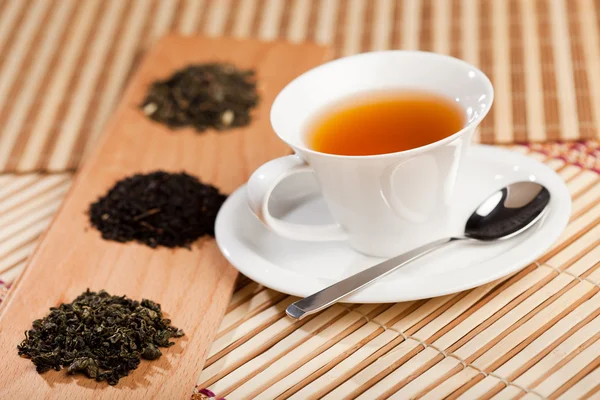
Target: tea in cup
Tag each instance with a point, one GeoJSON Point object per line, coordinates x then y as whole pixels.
{"type": "Point", "coordinates": [385, 134]}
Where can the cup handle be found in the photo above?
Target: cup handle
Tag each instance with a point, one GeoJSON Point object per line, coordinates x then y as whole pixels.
{"type": "Point", "coordinates": [260, 187]}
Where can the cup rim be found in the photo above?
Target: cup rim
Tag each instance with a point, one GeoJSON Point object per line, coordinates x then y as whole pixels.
{"type": "Point", "coordinates": [474, 122]}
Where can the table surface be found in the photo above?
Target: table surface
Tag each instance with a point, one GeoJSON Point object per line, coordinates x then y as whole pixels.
{"type": "Point", "coordinates": [65, 63]}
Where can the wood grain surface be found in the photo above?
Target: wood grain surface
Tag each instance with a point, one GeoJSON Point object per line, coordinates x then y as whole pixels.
{"type": "Point", "coordinates": [194, 286]}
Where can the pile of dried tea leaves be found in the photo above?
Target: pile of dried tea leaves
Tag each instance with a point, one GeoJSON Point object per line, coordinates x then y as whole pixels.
{"type": "Point", "coordinates": [157, 209]}
{"type": "Point", "coordinates": [212, 95]}
{"type": "Point", "coordinates": [100, 335]}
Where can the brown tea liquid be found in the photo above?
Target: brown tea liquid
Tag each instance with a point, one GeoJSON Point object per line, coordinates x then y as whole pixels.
{"type": "Point", "coordinates": [386, 123]}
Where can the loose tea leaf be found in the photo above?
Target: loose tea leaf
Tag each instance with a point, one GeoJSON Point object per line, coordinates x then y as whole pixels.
{"type": "Point", "coordinates": [212, 95]}
{"type": "Point", "coordinates": [100, 335]}
{"type": "Point", "coordinates": [157, 209]}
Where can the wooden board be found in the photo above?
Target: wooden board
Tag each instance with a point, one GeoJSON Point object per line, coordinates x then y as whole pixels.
{"type": "Point", "coordinates": [194, 286]}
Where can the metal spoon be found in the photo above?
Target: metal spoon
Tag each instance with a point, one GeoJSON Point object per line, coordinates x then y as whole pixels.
{"type": "Point", "coordinates": [506, 213]}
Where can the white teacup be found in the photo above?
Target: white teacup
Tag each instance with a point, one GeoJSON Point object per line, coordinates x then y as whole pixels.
{"type": "Point", "coordinates": [384, 204]}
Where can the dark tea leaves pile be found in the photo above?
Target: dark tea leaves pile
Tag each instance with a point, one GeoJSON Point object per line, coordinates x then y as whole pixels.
{"type": "Point", "coordinates": [213, 95]}
{"type": "Point", "coordinates": [157, 209]}
{"type": "Point", "coordinates": [100, 335]}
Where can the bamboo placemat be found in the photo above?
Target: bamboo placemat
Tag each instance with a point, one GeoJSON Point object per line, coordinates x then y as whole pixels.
{"type": "Point", "coordinates": [65, 63]}
{"type": "Point", "coordinates": [533, 335]}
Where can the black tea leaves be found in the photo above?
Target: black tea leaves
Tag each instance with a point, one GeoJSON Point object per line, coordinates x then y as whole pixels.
{"type": "Point", "coordinates": [157, 209]}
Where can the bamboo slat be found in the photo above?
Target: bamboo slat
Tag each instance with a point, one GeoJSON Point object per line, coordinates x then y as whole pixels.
{"type": "Point", "coordinates": [65, 63]}
{"type": "Point", "coordinates": [27, 205]}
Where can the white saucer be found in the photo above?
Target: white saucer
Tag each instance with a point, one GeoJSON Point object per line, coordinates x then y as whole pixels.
{"type": "Point", "coordinates": [302, 268]}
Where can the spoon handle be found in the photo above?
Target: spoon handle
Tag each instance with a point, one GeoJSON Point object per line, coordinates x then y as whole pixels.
{"type": "Point", "coordinates": [334, 293]}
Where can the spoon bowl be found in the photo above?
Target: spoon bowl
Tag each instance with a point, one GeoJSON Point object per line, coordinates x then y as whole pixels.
{"type": "Point", "coordinates": [508, 212]}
